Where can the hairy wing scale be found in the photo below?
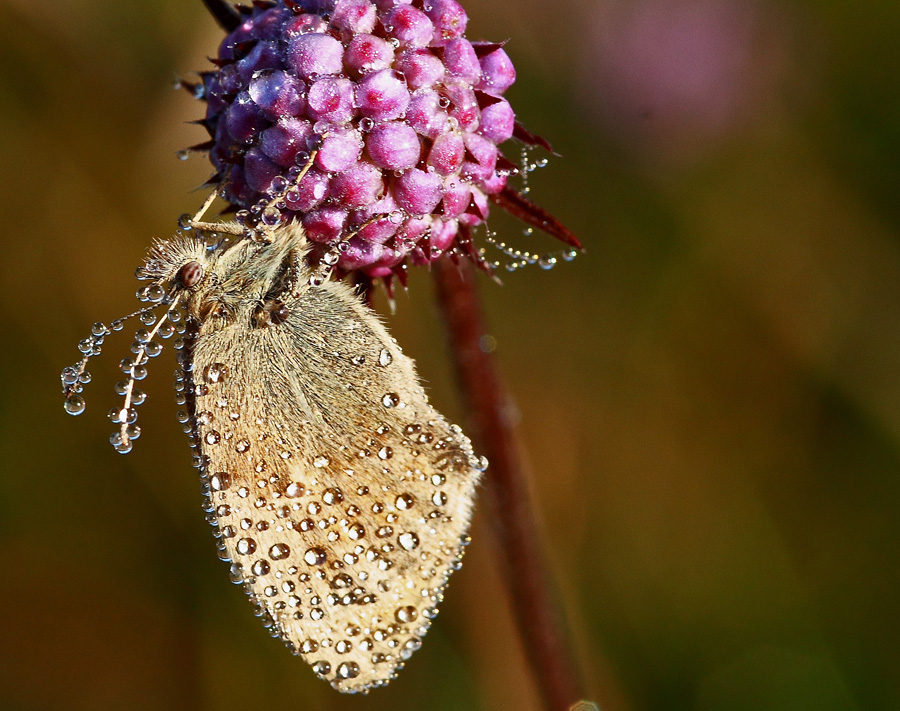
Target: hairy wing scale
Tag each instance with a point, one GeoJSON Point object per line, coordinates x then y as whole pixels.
{"type": "Point", "coordinates": [341, 496]}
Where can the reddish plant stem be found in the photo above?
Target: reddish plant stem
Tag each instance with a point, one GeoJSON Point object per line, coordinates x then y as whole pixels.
{"type": "Point", "coordinates": [536, 609]}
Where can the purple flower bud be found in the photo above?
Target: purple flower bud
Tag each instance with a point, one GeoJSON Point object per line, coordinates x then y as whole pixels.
{"type": "Point", "coordinates": [315, 54]}
{"type": "Point", "coordinates": [244, 120]}
{"type": "Point", "coordinates": [230, 79]}
{"type": "Point", "coordinates": [443, 232]}
{"type": "Point", "coordinates": [386, 205]}
{"type": "Point", "coordinates": [457, 197]}
{"type": "Point", "coordinates": [331, 99]}
{"type": "Point", "coordinates": [463, 104]}
{"type": "Point", "coordinates": [449, 18]}
{"type": "Point", "coordinates": [420, 67]}
{"type": "Point", "coordinates": [283, 141]}
{"type": "Point", "coordinates": [216, 97]}
{"type": "Point", "coordinates": [382, 96]}
{"type": "Point", "coordinates": [354, 17]}
{"type": "Point", "coordinates": [417, 192]}
{"type": "Point", "coordinates": [260, 171]}
{"type": "Point", "coordinates": [309, 192]}
{"type": "Point", "coordinates": [474, 172]}
{"type": "Point", "coordinates": [394, 146]}
{"type": "Point", "coordinates": [482, 150]}
{"type": "Point", "coordinates": [358, 186]}
{"type": "Point", "coordinates": [278, 94]}
{"type": "Point", "coordinates": [409, 25]}
{"type": "Point", "coordinates": [494, 183]}
{"type": "Point", "coordinates": [271, 24]}
{"type": "Point", "coordinates": [497, 121]}
{"type": "Point", "coordinates": [446, 154]}
{"type": "Point", "coordinates": [497, 72]}
{"type": "Point", "coordinates": [461, 60]}
{"type": "Point", "coordinates": [379, 232]}
{"type": "Point", "coordinates": [326, 224]}
{"type": "Point", "coordinates": [360, 254]}
{"type": "Point", "coordinates": [414, 229]}
{"type": "Point", "coordinates": [340, 150]}
{"type": "Point", "coordinates": [237, 185]}
{"type": "Point", "coordinates": [425, 114]}
{"type": "Point", "coordinates": [367, 53]}
{"type": "Point", "coordinates": [265, 55]}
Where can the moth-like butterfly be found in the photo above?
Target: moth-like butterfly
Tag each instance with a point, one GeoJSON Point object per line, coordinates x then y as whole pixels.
{"type": "Point", "coordinates": [338, 494]}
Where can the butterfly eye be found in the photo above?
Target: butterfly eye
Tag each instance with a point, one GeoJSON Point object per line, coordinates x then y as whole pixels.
{"type": "Point", "coordinates": [190, 274]}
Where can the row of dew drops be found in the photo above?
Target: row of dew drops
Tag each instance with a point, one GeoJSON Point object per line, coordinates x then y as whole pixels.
{"type": "Point", "coordinates": [144, 347]}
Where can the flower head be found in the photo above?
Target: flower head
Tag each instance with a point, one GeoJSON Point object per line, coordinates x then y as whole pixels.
{"type": "Point", "coordinates": [376, 123]}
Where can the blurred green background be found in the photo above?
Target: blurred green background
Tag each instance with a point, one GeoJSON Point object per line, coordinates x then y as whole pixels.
{"type": "Point", "coordinates": [709, 397]}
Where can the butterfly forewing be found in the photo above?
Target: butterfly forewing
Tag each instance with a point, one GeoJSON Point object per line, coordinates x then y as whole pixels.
{"type": "Point", "coordinates": [341, 496]}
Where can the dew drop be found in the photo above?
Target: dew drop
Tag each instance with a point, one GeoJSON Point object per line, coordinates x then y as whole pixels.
{"type": "Point", "coordinates": [246, 546]}
{"type": "Point", "coordinates": [279, 551]}
{"type": "Point", "coordinates": [405, 501]}
{"type": "Point", "coordinates": [410, 647]}
{"type": "Point", "coordinates": [321, 462]}
{"type": "Point", "coordinates": [294, 490]}
{"type": "Point", "coordinates": [315, 556]}
{"type": "Point", "coordinates": [75, 404]}
{"type": "Point", "coordinates": [321, 667]}
{"type": "Point", "coordinates": [348, 670]}
{"type": "Point", "coordinates": [220, 481]}
{"type": "Point", "coordinates": [408, 541]}
{"type": "Point", "coordinates": [385, 358]}
{"type": "Point", "coordinates": [261, 567]}
{"type": "Point", "coordinates": [390, 400]}
{"type": "Point", "coordinates": [406, 614]}
{"type": "Point", "coordinates": [215, 373]}
{"type": "Point", "coordinates": [236, 573]}
{"type": "Point", "coordinates": [332, 496]}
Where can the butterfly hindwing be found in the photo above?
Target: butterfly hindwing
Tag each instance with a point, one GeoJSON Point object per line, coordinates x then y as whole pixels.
{"type": "Point", "coordinates": [341, 496]}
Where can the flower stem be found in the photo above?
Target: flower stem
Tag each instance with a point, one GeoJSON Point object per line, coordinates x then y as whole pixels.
{"type": "Point", "coordinates": [535, 604]}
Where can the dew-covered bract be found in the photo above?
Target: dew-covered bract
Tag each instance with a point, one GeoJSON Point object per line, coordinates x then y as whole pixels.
{"type": "Point", "coordinates": [339, 496]}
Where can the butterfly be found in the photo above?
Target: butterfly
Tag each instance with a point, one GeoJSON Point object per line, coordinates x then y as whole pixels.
{"type": "Point", "coordinates": [340, 497]}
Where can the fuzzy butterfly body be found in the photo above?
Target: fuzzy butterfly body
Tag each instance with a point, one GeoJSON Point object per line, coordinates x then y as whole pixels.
{"type": "Point", "coordinates": [339, 495]}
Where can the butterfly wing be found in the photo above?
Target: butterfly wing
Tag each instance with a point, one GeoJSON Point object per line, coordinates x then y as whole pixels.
{"type": "Point", "coordinates": [341, 496]}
